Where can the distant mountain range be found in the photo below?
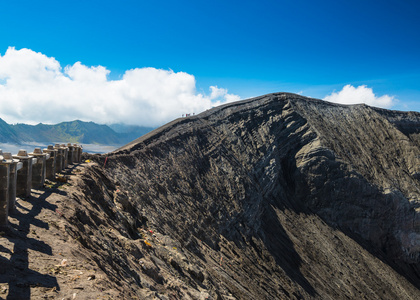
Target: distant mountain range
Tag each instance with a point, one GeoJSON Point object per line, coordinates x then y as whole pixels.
{"type": "Point", "coordinates": [71, 132]}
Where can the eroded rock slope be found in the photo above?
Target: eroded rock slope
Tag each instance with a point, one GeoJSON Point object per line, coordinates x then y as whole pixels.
{"type": "Point", "coordinates": [274, 197]}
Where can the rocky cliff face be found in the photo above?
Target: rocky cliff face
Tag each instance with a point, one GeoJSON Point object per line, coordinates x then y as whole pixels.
{"type": "Point", "coordinates": [275, 197]}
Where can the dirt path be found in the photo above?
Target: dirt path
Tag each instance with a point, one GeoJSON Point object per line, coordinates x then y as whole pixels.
{"type": "Point", "coordinates": [38, 257]}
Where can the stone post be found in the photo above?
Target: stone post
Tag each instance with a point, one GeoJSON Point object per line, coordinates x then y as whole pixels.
{"type": "Point", "coordinates": [59, 159]}
{"type": "Point", "coordinates": [70, 156]}
{"type": "Point", "coordinates": [14, 166]}
{"type": "Point", "coordinates": [51, 162]}
{"type": "Point", "coordinates": [76, 153]}
{"type": "Point", "coordinates": [39, 169]}
{"type": "Point", "coordinates": [24, 175]}
{"type": "Point", "coordinates": [4, 191]}
{"type": "Point", "coordinates": [65, 154]}
{"type": "Point", "coordinates": [80, 151]}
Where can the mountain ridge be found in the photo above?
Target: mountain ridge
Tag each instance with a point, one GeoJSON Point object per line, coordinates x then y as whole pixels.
{"type": "Point", "coordinates": [73, 132]}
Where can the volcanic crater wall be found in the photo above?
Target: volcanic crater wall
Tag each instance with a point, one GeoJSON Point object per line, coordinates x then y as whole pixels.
{"type": "Point", "coordinates": [281, 187]}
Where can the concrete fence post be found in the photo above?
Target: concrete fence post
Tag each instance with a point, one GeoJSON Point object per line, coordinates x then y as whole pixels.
{"type": "Point", "coordinates": [75, 153]}
{"type": "Point", "coordinates": [59, 159]}
{"type": "Point", "coordinates": [51, 162]}
{"type": "Point", "coordinates": [79, 151]}
{"type": "Point", "coordinates": [24, 175]}
{"type": "Point", "coordinates": [4, 191]}
{"type": "Point", "coordinates": [70, 156]}
{"type": "Point", "coordinates": [65, 154]}
{"type": "Point", "coordinates": [39, 168]}
{"type": "Point", "coordinates": [14, 167]}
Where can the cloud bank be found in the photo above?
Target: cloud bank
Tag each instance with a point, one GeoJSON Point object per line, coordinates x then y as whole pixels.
{"type": "Point", "coordinates": [35, 88]}
{"type": "Point", "coordinates": [361, 94]}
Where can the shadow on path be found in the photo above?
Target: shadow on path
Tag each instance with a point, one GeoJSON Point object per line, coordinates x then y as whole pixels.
{"type": "Point", "coordinates": [16, 271]}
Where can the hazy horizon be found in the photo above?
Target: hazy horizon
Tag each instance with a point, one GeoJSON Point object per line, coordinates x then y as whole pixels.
{"type": "Point", "coordinates": [29, 147]}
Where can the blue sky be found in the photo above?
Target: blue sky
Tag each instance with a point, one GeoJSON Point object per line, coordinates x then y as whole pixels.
{"type": "Point", "coordinates": [242, 48]}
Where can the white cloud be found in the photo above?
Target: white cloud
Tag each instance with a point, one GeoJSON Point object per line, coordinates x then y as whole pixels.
{"type": "Point", "coordinates": [35, 88]}
{"type": "Point", "coordinates": [231, 97]}
{"type": "Point", "coordinates": [219, 95]}
{"type": "Point", "coordinates": [361, 94]}
{"type": "Point", "coordinates": [216, 92]}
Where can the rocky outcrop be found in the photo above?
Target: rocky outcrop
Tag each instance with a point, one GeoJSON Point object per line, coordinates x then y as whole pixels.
{"type": "Point", "coordinates": [373, 189]}
{"type": "Point", "coordinates": [279, 196]}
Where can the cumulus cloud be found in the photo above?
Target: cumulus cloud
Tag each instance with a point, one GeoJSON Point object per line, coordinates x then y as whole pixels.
{"type": "Point", "coordinates": [221, 95]}
{"type": "Point", "coordinates": [361, 94]}
{"type": "Point", "coordinates": [35, 88]}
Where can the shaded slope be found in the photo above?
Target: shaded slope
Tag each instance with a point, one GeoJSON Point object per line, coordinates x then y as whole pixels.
{"type": "Point", "coordinates": [258, 193]}
{"type": "Point", "coordinates": [407, 122]}
{"type": "Point", "coordinates": [129, 133]}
